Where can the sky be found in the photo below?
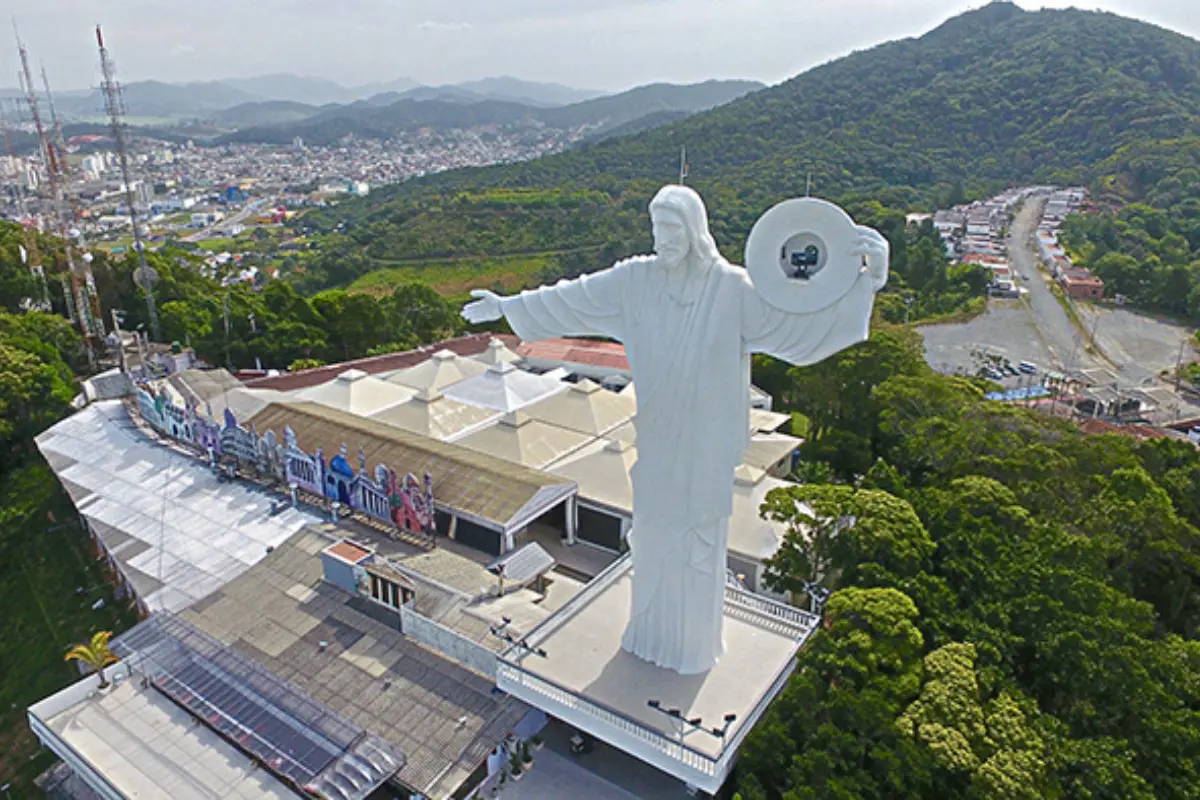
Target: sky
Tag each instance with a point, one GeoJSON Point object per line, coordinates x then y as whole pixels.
{"type": "Point", "coordinates": [592, 44]}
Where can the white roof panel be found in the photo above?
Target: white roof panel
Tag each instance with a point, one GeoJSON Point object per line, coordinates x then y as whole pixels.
{"type": "Point", "coordinates": [189, 534]}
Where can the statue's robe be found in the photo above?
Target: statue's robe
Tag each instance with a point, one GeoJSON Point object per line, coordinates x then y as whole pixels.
{"type": "Point", "coordinates": [688, 331]}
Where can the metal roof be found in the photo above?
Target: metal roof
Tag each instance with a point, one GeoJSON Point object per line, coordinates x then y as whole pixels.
{"type": "Point", "coordinates": [175, 529]}
{"type": "Point", "coordinates": [523, 564]}
{"type": "Point", "coordinates": [475, 485]}
{"type": "Point", "coordinates": [443, 717]}
{"type": "Point", "coordinates": [294, 736]}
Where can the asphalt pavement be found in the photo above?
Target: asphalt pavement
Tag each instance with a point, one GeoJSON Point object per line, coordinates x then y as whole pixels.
{"type": "Point", "coordinates": [1060, 336]}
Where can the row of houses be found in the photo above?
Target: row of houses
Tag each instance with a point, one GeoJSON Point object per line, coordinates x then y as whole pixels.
{"type": "Point", "coordinates": [1078, 283]}
{"type": "Point", "coordinates": [973, 234]}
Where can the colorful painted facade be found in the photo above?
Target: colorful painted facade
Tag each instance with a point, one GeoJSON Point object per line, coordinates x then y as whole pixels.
{"type": "Point", "coordinates": [404, 502]}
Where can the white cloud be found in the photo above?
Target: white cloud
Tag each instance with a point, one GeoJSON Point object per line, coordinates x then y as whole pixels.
{"type": "Point", "coordinates": [181, 49]}
{"type": "Point", "coordinates": [432, 25]}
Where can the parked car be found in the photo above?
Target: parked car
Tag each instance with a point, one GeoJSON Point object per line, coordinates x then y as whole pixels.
{"type": "Point", "coordinates": [994, 374]}
{"type": "Point", "coordinates": [1010, 369]}
{"type": "Point", "coordinates": [1028, 368]}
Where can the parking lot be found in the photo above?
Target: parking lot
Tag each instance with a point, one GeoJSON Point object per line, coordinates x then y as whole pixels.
{"type": "Point", "coordinates": [1006, 330]}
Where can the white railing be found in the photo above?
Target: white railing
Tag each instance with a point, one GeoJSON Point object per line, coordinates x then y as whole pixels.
{"type": "Point", "coordinates": [509, 675]}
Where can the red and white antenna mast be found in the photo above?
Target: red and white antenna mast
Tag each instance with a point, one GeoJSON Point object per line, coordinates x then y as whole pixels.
{"type": "Point", "coordinates": [53, 180]}
{"type": "Point", "coordinates": [115, 106]}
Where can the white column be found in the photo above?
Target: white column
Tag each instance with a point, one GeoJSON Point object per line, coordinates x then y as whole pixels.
{"type": "Point", "coordinates": [572, 518]}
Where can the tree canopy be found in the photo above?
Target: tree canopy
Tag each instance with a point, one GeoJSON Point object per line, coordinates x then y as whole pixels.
{"type": "Point", "coordinates": [1014, 603]}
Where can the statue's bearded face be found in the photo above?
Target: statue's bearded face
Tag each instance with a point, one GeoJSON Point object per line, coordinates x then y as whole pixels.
{"type": "Point", "coordinates": [671, 241]}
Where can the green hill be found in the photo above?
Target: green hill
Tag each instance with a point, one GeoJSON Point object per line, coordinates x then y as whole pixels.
{"type": "Point", "coordinates": [992, 97]}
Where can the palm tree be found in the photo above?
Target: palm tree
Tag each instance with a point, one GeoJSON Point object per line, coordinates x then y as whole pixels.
{"type": "Point", "coordinates": [95, 654]}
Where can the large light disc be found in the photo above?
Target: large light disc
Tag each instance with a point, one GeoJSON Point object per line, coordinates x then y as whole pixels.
{"type": "Point", "coordinates": [799, 255]}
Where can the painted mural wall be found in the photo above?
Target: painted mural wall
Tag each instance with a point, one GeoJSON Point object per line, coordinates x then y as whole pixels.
{"type": "Point", "coordinates": [399, 499]}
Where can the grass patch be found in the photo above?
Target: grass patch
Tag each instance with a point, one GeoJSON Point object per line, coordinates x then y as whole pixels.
{"type": "Point", "coordinates": [45, 557]}
{"type": "Point", "coordinates": [456, 277]}
{"type": "Point", "coordinates": [217, 243]}
{"type": "Point", "coordinates": [964, 313]}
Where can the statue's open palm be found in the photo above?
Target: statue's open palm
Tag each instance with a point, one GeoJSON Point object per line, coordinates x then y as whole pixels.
{"type": "Point", "coordinates": [872, 245]}
{"type": "Point", "coordinates": [486, 307]}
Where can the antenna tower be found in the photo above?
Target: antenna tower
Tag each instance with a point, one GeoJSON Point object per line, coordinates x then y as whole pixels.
{"type": "Point", "coordinates": [31, 255]}
{"type": "Point", "coordinates": [53, 175]}
{"type": "Point", "coordinates": [70, 216]}
{"type": "Point", "coordinates": [115, 106]}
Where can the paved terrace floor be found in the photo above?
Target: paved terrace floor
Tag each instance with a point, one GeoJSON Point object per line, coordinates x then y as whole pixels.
{"type": "Point", "coordinates": [584, 656]}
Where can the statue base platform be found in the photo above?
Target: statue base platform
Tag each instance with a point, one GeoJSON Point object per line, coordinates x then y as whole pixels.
{"type": "Point", "coordinates": [572, 667]}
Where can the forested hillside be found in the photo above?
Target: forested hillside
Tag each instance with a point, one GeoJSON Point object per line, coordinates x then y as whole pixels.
{"type": "Point", "coordinates": [1015, 607]}
{"type": "Point", "coordinates": [994, 97]}
{"type": "Point", "coordinates": [1148, 249]}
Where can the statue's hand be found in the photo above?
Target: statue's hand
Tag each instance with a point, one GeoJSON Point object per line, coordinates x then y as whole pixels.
{"type": "Point", "coordinates": [485, 308]}
{"type": "Point", "coordinates": [872, 246]}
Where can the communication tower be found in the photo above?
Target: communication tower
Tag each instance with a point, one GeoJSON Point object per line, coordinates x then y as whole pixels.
{"type": "Point", "coordinates": [55, 194]}
{"type": "Point", "coordinates": [114, 104]}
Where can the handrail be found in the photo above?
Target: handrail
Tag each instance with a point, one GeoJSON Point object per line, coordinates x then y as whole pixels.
{"type": "Point", "coordinates": [603, 712]}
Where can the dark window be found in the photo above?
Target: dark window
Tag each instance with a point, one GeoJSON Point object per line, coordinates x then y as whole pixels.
{"type": "Point", "coordinates": [600, 529]}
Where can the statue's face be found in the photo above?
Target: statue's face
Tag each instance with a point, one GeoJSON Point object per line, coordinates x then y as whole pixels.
{"type": "Point", "coordinates": [671, 242]}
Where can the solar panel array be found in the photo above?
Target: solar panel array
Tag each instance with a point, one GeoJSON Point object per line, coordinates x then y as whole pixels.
{"type": "Point", "coordinates": [298, 739]}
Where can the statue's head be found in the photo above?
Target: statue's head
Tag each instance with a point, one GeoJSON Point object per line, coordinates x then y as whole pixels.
{"type": "Point", "coordinates": [680, 225]}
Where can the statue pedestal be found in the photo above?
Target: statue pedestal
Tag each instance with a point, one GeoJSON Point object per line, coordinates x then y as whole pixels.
{"type": "Point", "coordinates": [586, 680]}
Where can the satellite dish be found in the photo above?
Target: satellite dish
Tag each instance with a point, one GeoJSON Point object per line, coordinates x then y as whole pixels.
{"type": "Point", "coordinates": [145, 277]}
{"type": "Point", "coordinates": [799, 255]}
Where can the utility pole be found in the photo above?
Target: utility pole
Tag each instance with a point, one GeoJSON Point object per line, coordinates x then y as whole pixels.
{"type": "Point", "coordinates": [115, 106]}
{"type": "Point", "coordinates": [1179, 364]}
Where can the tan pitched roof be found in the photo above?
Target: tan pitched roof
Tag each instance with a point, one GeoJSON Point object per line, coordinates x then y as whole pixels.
{"type": "Point", "coordinates": [433, 414]}
{"type": "Point", "coordinates": [444, 368]}
{"type": "Point", "coordinates": [355, 391]}
{"type": "Point", "coordinates": [585, 407]}
{"type": "Point", "coordinates": [497, 493]}
{"type": "Point", "coordinates": [521, 439]}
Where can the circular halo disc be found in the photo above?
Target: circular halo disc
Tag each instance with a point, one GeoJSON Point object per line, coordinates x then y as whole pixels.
{"type": "Point", "coordinates": [798, 255]}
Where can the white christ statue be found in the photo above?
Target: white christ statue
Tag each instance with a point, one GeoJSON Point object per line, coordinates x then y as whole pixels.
{"type": "Point", "coordinates": [689, 322]}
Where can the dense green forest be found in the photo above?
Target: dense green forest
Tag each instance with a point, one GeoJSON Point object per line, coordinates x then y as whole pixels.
{"type": "Point", "coordinates": [1016, 605]}
{"type": "Point", "coordinates": [49, 579]}
{"type": "Point", "coordinates": [1149, 248]}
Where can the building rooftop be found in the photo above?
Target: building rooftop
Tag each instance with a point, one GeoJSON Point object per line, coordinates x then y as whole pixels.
{"type": "Point", "coordinates": [504, 387]}
{"type": "Point", "coordinates": [471, 344]}
{"type": "Point", "coordinates": [147, 746]}
{"type": "Point", "coordinates": [585, 407]}
{"type": "Point", "coordinates": [478, 486]}
{"type": "Point", "coordinates": [433, 414]}
{"type": "Point", "coordinates": [357, 392]}
{"type": "Point", "coordinates": [521, 439]}
{"type": "Point", "coordinates": [442, 369]}
{"type": "Point", "coordinates": [588, 352]}
{"type": "Point", "coordinates": [176, 531]}
{"type": "Point", "coordinates": [768, 449]}
{"type": "Point", "coordinates": [443, 717]}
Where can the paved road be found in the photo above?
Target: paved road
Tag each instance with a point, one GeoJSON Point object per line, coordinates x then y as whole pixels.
{"type": "Point", "coordinates": [207, 233]}
{"type": "Point", "coordinates": [1060, 337]}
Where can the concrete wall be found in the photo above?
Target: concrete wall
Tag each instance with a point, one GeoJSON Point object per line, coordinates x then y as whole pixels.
{"type": "Point", "coordinates": [339, 573]}
{"type": "Point", "coordinates": [445, 641]}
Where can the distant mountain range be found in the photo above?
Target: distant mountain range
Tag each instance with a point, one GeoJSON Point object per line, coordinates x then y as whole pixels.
{"type": "Point", "coordinates": [387, 114]}
{"type": "Point", "coordinates": [200, 100]}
